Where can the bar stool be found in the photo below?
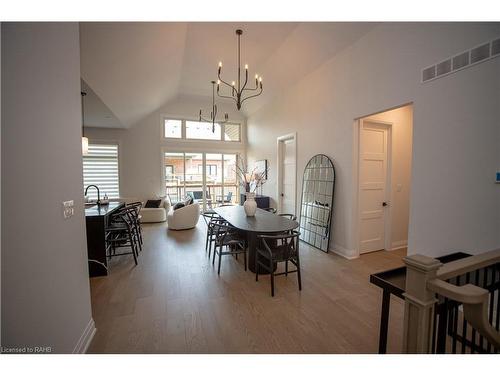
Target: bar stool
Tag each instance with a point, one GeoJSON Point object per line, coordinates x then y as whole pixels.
{"type": "Point", "coordinates": [120, 233]}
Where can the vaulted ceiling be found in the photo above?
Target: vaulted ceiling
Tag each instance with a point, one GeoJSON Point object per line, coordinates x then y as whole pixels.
{"type": "Point", "coordinates": [132, 69]}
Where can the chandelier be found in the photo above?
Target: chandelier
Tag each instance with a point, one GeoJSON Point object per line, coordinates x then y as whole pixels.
{"type": "Point", "coordinates": [236, 88]}
{"type": "Point", "coordinates": [213, 113]}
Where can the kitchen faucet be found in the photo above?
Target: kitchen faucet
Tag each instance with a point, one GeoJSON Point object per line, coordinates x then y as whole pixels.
{"type": "Point", "coordinates": [98, 193]}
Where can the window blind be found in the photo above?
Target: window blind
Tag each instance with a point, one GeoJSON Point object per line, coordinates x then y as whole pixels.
{"type": "Point", "coordinates": [100, 167]}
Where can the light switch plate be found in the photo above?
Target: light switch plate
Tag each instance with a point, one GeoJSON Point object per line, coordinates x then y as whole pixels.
{"type": "Point", "coordinates": [68, 209]}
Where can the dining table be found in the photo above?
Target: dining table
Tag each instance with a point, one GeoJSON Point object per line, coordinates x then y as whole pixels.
{"type": "Point", "coordinates": [263, 222]}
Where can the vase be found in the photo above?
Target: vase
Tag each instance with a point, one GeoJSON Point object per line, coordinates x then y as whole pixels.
{"type": "Point", "coordinates": [250, 205]}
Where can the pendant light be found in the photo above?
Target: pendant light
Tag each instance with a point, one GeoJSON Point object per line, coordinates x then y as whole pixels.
{"type": "Point", "coordinates": [85, 140]}
{"type": "Point", "coordinates": [213, 113]}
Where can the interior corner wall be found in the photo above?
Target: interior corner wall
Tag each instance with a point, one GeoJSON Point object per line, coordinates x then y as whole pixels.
{"type": "Point", "coordinates": [401, 148]}
{"type": "Point", "coordinates": [454, 202]}
{"type": "Point", "coordinates": [45, 282]}
{"type": "Point", "coordinates": [140, 146]}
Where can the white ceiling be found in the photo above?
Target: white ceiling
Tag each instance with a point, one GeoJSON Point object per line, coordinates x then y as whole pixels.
{"type": "Point", "coordinates": [136, 68]}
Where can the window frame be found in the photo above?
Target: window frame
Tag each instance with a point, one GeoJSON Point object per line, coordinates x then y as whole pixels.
{"type": "Point", "coordinates": [185, 138]}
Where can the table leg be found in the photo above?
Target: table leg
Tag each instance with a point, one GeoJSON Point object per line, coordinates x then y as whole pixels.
{"type": "Point", "coordinates": [252, 243]}
{"type": "Point", "coordinates": [384, 322]}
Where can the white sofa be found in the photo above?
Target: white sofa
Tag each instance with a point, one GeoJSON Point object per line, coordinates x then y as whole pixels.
{"type": "Point", "coordinates": [155, 215]}
{"type": "Point", "coordinates": [184, 218]}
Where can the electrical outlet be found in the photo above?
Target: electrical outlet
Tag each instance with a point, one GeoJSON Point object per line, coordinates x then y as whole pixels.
{"type": "Point", "coordinates": [68, 209]}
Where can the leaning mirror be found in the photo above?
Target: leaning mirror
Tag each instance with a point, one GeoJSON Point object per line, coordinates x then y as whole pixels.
{"type": "Point", "coordinates": [318, 185]}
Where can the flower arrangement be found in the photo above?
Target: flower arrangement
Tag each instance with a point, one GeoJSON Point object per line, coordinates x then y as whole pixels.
{"type": "Point", "coordinates": [251, 180]}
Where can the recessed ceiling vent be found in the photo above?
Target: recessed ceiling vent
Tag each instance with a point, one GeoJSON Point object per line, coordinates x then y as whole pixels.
{"type": "Point", "coordinates": [461, 61]}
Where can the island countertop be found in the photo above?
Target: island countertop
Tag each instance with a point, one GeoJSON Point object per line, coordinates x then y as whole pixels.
{"type": "Point", "coordinates": [102, 210]}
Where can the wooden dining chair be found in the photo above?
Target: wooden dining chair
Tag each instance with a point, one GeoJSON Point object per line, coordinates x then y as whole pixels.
{"type": "Point", "coordinates": [273, 249]}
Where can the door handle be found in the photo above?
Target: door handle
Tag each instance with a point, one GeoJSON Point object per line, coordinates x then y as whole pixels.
{"type": "Point", "coordinates": [282, 194]}
{"type": "Point", "coordinates": [385, 204]}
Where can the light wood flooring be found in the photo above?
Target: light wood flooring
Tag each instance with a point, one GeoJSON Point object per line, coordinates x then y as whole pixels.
{"type": "Point", "coordinates": [174, 302]}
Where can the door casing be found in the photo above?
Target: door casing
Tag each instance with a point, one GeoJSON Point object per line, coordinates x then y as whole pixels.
{"type": "Point", "coordinates": [279, 147]}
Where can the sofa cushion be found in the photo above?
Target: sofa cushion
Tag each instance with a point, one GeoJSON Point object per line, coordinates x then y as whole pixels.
{"type": "Point", "coordinates": [178, 205]}
{"type": "Point", "coordinates": [153, 203]}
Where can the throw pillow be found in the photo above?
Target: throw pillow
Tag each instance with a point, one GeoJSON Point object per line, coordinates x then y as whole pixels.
{"type": "Point", "coordinates": [153, 203]}
{"type": "Point", "coordinates": [189, 200]}
{"type": "Point", "coordinates": [178, 205]}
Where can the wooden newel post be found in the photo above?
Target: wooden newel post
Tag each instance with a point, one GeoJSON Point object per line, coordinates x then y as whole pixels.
{"type": "Point", "coordinates": [419, 303]}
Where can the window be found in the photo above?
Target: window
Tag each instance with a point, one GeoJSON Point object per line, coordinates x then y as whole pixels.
{"type": "Point", "coordinates": [219, 182]}
{"type": "Point", "coordinates": [202, 130]}
{"type": "Point", "coordinates": [232, 132]}
{"type": "Point", "coordinates": [169, 170]}
{"type": "Point", "coordinates": [173, 128]}
{"type": "Point", "coordinates": [100, 167]}
{"type": "Point", "coordinates": [187, 129]}
{"type": "Point", "coordinates": [211, 169]}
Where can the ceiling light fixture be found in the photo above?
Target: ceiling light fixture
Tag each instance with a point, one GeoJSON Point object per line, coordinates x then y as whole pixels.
{"type": "Point", "coordinates": [85, 140]}
{"type": "Point", "coordinates": [213, 114]}
{"type": "Point", "coordinates": [238, 90]}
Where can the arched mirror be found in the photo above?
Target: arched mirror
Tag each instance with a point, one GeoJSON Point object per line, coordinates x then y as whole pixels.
{"type": "Point", "coordinates": [317, 202]}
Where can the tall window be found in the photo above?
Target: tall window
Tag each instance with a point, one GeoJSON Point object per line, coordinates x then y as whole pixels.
{"type": "Point", "coordinates": [210, 179]}
{"type": "Point", "coordinates": [201, 130]}
{"type": "Point", "coordinates": [100, 167]}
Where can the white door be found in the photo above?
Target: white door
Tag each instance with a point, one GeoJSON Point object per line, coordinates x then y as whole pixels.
{"type": "Point", "coordinates": [373, 160]}
{"type": "Point", "coordinates": [288, 173]}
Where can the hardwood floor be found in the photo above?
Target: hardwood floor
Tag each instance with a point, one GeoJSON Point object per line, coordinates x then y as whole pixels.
{"type": "Point", "coordinates": [174, 302]}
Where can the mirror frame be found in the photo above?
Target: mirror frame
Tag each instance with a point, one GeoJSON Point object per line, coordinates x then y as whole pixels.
{"type": "Point", "coordinates": [328, 227]}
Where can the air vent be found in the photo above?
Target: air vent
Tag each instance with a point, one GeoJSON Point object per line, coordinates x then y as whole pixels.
{"type": "Point", "coordinates": [443, 67]}
{"type": "Point", "coordinates": [462, 60]}
{"type": "Point", "coordinates": [480, 53]}
{"type": "Point", "coordinates": [495, 47]}
{"type": "Point", "coordinates": [429, 73]}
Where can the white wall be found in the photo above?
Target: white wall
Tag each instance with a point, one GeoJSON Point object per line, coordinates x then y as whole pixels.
{"type": "Point", "coordinates": [141, 146]}
{"type": "Point", "coordinates": [454, 203]}
{"type": "Point", "coordinates": [401, 146]}
{"type": "Point", "coordinates": [45, 284]}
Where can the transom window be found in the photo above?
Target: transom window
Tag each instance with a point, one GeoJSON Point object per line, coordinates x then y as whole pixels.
{"type": "Point", "coordinates": [187, 129]}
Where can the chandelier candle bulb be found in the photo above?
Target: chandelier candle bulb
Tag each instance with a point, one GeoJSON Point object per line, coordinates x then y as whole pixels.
{"type": "Point", "coordinates": [246, 66]}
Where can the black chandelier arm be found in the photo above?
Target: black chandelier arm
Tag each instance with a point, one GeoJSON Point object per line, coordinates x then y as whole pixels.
{"type": "Point", "coordinates": [225, 96]}
{"type": "Point", "coordinates": [220, 79]}
{"type": "Point", "coordinates": [255, 88]}
{"type": "Point", "coordinates": [252, 96]}
{"type": "Point", "coordinates": [246, 81]}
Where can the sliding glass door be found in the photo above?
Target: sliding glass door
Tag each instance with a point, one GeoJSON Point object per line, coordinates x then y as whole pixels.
{"type": "Point", "coordinates": [210, 179]}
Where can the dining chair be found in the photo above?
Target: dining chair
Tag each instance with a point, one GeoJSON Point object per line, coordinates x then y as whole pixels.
{"type": "Point", "coordinates": [273, 249]}
{"type": "Point", "coordinates": [228, 238]}
{"type": "Point", "coordinates": [289, 216]}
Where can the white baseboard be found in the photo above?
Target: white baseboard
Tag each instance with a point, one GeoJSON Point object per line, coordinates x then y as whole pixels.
{"type": "Point", "coordinates": [343, 252]}
{"type": "Point", "coordinates": [86, 338]}
{"type": "Point", "coordinates": [396, 245]}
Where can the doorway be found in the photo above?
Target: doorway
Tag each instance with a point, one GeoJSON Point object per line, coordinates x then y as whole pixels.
{"type": "Point", "coordinates": [383, 178]}
{"type": "Point", "coordinates": [287, 173]}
